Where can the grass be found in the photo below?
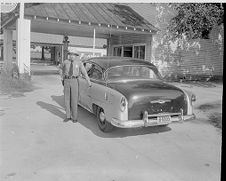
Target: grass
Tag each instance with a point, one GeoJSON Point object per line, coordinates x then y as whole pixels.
{"type": "Point", "coordinates": [9, 85]}
{"type": "Point", "coordinates": [216, 119]}
{"type": "Point", "coordinates": [214, 113]}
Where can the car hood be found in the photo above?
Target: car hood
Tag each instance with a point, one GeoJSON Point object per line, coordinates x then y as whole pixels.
{"type": "Point", "coordinates": [138, 90]}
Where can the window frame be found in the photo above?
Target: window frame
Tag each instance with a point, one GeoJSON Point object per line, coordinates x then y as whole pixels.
{"type": "Point", "coordinates": [118, 47]}
{"type": "Point", "coordinates": [139, 45]}
{"type": "Point", "coordinates": [154, 69]}
{"type": "Point", "coordinates": [133, 45]}
{"type": "Point", "coordinates": [100, 69]}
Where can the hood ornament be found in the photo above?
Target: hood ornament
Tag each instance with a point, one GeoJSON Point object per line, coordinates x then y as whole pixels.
{"type": "Point", "coordinates": [159, 101]}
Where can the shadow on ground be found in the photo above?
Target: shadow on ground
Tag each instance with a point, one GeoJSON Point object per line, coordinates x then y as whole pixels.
{"type": "Point", "coordinates": [208, 106]}
{"type": "Point", "coordinates": [88, 120]}
{"type": "Point", "coordinates": [59, 100]}
{"type": "Point", "coordinates": [52, 108]}
{"type": "Point", "coordinates": [56, 110]}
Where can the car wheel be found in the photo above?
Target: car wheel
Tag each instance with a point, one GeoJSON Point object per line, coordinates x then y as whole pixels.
{"type": "Point", "coordinates": [103, 124]}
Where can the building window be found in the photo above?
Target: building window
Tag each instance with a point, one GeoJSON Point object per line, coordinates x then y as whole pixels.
{"type": "Point", "coordinates": [117, 51]}
{"type": "Point", "coordinates": [128, 51]}
{"type": "Point", "coordinates": [139, 52]}
{"type": "Point", "coordinates": [135, 51]}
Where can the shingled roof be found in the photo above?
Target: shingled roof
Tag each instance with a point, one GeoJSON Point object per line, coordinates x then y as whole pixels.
{"type": "Point", "coordinates": [118, 16]}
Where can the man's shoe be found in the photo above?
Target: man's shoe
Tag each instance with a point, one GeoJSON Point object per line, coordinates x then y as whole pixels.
{"type": "Point", "coordinates": [74, 121]}
{"type": "Point", "coordinates": [67, 119]}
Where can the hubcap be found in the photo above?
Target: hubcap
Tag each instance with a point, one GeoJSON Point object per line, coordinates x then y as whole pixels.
{"type": "Point", "coordinates": [102, 117]}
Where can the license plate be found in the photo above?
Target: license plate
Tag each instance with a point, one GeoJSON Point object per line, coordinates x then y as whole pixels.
{"type": "Point", "coordinates": [163, 119]}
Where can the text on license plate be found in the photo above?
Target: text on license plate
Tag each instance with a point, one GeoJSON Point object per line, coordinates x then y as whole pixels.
{"type": "Point", "coordinates": [162, 119]}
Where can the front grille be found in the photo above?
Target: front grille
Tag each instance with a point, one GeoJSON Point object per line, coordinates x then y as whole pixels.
{"type": "Point", "coordinates": [174, 106]}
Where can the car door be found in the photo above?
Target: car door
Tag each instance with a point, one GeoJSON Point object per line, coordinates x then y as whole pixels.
{"type": "Point", "coordinates": [88, 93]}
{"type": "Point", "coordinates": [83, 91]}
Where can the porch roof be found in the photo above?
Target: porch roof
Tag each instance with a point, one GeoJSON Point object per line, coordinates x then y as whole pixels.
{"type": "Point", "coordinates": [79, 19]}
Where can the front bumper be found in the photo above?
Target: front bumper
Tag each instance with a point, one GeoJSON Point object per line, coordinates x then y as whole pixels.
{"type": "Point", "coordinates": [150, 122]}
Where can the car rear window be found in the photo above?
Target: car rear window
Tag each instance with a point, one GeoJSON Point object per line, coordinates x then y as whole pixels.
{"type": "Point", "coordinates": [131, 72]}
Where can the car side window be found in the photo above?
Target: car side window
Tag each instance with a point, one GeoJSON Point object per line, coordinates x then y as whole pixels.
{"type": "Point", "coordinates": [93, 71]}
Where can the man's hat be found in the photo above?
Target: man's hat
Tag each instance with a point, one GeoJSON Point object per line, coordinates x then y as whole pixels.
{"type": "Point", "coordinates": [73, 53]}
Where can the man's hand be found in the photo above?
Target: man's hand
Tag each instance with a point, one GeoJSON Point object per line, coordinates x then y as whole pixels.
{"type": "Point", "coordinates": [90, 85]}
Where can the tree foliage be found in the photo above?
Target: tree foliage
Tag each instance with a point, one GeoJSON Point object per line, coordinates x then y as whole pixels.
{"type": "Point", "coordinates": [195, 20]}
{"type": "Point", "coordinates": [182, 28]}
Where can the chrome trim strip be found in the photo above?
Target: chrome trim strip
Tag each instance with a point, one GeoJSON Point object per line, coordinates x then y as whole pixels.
{"type": "Point", "coordinates": [189, 104]}
{"type": "Point", "coordinates": [85, 108]}
{"type": "Point", "coordinates": [160, 101]}
{"type": "Point", "coordinates": [164, 114]}
{"type": "Point", "coordinates": [141, 123]}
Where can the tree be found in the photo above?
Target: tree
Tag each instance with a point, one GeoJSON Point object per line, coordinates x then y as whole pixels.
{"type": "Point", "coordinates": [162, 49]}
{"type": "Point", "coordinates": [182, 26]}
{"type": "Point", "coordinates": [195, 20]}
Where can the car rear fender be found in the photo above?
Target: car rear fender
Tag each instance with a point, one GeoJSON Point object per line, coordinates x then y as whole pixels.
{"type": "Point", "coordinates": [109, 99]}
{"type": "Point", "coordinates": [113, 101]}
{"type": "Point", "coordinates": [188, 95]}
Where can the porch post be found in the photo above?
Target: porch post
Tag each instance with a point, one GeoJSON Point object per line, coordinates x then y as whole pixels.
{"type": "Point", "coordinates": [62, 53]}
{"type": "Point", "coordinates": [43, 53]}
{"type": "Point", "coordinates": [109, 47]}
{"type": "Point", "coordinates": [52, 50]}
{"type": "Point", "coordinates": [148, 48]}
{"type": "Point", "coordinates": [94, 41]}
{"type": "Point", "coordinates": [23, 33]}
{"type": "Point", "coordinates": [8, 49]}
{"type": "Point", "coordinates": [23, 45]}
{"type": "Point", "coordinates": [2, 53]}
{"type": "Point", "coordinates": [58, 54]}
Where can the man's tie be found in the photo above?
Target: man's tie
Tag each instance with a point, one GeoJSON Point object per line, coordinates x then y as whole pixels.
{"type": "Point", "coordinates": [70, 73]}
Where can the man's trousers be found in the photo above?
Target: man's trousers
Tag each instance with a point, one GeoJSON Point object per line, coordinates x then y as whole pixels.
{"type": "Point", "coordinates": [71, 98]}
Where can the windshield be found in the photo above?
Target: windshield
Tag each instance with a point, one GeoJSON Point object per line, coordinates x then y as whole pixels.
{"type": "Point", "coordinates": [131, 72]}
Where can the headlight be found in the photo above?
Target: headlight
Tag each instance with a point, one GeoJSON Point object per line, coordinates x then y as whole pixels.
{"type": "Point", "coordinates": [123, 104]}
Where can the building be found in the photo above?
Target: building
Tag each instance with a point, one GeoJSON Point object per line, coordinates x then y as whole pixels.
{"type": "Point", "coordinates": [204, 58]}
{"type": "Point", "coordinates": [126, 32]}
{"type": "Point", "coordinates": [47, 47]}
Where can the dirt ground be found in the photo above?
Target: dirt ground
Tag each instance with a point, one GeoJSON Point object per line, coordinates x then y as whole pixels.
{"type": "Point", "coordinates": [35, 143]}
{"type": "Point", "coordinates": [208, 106]}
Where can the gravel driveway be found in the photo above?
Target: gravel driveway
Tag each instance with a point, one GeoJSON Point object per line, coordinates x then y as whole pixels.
{"type": "Point", "coordinates": [37, 145]}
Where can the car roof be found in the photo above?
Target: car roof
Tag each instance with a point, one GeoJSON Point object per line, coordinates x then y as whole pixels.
{"type": "Point", "coordinates": [112, 61]}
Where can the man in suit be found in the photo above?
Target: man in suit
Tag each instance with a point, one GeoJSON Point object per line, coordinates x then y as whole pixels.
{"type": "Point", "coordinates": [70, 70]}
